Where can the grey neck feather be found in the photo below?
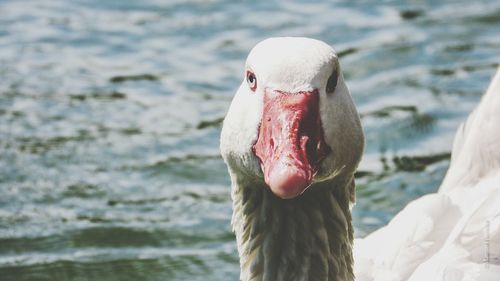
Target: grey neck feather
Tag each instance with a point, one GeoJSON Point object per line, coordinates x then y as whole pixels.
{"type": "Point", "coordinates": [308, 238]}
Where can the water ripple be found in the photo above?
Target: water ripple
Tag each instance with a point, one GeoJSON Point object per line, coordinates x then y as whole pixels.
{"type": "Point", "coordinates": [110, 115]}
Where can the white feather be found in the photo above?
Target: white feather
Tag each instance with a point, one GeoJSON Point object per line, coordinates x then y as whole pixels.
{"type": "Point", "coordinates": [453, 234]}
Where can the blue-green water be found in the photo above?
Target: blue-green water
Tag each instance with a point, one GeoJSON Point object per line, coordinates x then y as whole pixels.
{"type": "Point", "coordinates": [110, 116]}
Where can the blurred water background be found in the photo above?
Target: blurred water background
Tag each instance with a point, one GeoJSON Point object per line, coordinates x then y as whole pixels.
{"type": "Point", "coordinates": [110, 114]}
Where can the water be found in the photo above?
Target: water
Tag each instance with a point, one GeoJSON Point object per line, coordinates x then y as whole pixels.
{"type": "Point", "coordinates": [110, 116]}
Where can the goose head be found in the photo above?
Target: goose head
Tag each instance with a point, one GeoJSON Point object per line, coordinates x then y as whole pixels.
{"type": "Point", "coordinates": [292, 122]}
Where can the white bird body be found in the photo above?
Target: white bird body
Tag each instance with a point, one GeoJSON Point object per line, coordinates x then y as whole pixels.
{"type": "Point", "coordinates": [293, 185]}
{"type": "Point", "coordinates": [453, 234]}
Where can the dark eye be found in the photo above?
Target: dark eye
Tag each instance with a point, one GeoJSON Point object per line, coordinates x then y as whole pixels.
{"type": "Point", "coordinates": [332, 82]}
{"type": "Point", "coordinates": [251, 80]}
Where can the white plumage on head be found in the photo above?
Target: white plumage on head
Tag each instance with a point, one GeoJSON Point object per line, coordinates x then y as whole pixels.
{"type": "Point", "coordinates": [440, 236]}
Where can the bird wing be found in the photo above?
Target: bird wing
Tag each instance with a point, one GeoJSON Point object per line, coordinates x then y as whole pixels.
{"type": "Point", "coordinates": [413, 235]}
{"type": "Point", "coordinates": [453, 234]}
{"type": "Point", "coordinates": [472, 249]}
{"type": "Point", "coordinates": [476, 149]}
{"type": "Point", "coordinates": [440, 236]}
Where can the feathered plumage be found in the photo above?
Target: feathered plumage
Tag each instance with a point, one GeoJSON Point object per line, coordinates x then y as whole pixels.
{"type": "Point", "coordinates": [453, 234]}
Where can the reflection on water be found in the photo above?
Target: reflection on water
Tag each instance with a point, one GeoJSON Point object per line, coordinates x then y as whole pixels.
{"type": "Point", "coordinates": [110, 113]}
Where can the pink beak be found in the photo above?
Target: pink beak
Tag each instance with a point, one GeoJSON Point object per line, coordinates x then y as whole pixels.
{"type": "Point", "coordinates": [291, 141]}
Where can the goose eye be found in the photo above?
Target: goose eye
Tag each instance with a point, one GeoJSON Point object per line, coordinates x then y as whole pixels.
{"type": "Point", "coordinates": [332, 82]}
{"type": "Point", "coordinates": [251, 80]}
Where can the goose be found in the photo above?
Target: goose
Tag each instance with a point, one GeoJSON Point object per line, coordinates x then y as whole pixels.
{"type": "Point", "coordinates": [292, 140]}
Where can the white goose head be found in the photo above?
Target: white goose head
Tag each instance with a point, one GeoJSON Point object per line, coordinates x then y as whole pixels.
{"type": "Point", "coordinates": [292, 122]}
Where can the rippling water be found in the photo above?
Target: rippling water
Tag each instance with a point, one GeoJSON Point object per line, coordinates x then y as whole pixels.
{"type": "Point", "coordinates": [110, 115]}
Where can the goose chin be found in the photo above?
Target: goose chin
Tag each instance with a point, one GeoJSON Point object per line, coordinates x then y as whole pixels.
{"type": "Point", "coordinates": [291, 143]}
